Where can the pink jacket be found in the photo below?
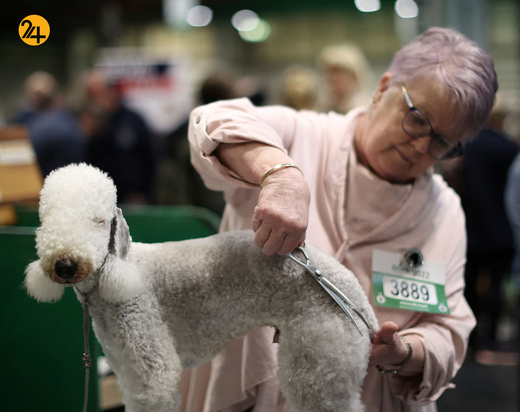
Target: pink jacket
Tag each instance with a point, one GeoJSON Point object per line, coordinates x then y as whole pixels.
{"type": "Point", "coordinates": [352, 212]}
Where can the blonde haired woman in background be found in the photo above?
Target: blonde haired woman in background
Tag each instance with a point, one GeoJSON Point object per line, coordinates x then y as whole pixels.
{"type": "Point", "coordinates": [347, 75]}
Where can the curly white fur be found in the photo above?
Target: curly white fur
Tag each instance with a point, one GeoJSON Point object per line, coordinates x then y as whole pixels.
{"type": "Point", "coordinates": [159, 308]}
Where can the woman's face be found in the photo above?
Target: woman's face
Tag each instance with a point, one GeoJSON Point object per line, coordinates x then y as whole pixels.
{"type": "Point", "coordinates": [341, 82]}
{"type": "Point", "coordinates": [379, 138]}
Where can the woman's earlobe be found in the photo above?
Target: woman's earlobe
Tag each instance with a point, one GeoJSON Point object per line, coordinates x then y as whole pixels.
{"type": "Point", "coordinates": [384, 84]}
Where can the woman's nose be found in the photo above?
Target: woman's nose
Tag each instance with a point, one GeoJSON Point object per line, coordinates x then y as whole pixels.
{"type": "Point", "coordinates": [421, 144]}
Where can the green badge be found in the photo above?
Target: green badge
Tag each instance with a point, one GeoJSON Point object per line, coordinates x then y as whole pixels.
{"type": "Point", "coordinates": [409, 282]}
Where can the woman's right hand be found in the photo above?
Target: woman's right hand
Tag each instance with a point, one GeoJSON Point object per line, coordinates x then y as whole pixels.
{"type": "Point", "coordinates": [281, 216]}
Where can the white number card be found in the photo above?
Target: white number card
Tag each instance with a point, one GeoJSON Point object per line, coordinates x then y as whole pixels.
{"type": "Point", "coordinates": [419, 289]}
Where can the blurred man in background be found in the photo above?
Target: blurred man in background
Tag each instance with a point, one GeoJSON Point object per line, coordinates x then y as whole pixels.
{"type": "Point", "coordinates": [53, 129]}
{"type": "Point", "coordinates": [119, 141]}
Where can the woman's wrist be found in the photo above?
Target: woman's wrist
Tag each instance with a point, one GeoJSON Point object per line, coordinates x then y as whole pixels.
{"type": "Point", "coordinates": [277, 168]}
{"type": "Point", "coordinates": [251, 160]}
{"type": "Point", "coordinates": [398, 369]}
{"type": "Point", "coordinates": [413, 362]}
{"type": "Point", "coordinates": [416, 364]}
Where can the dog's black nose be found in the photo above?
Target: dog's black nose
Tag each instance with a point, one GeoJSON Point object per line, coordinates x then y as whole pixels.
{"type": "Point", "coordinates": [66, 268]}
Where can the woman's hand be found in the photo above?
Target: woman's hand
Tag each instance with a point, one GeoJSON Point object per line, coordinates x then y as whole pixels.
{"type": "Point", "coordinates": [388, 349]}
{"type": "Point", "coordinates": [281, 216]}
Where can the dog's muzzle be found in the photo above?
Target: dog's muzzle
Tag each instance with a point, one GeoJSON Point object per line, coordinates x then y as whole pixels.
{"type": "Point", "coordinates": [66, 268]}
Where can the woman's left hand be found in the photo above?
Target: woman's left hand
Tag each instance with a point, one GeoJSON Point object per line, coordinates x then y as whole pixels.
{"type": "Point", "coordinates": [388, 349]}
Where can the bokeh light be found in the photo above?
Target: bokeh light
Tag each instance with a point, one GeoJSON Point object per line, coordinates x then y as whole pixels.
{"type": "Point", "coordinates": [260, 33]}
{"type": "Point", "coordinates": [199, 16]}
{"type": "Point", "coordinates": [407, 9]}
{"type": "Point", "coordinates": [245, 20]}
{"type": "Point", "coordinates": [368, 5]}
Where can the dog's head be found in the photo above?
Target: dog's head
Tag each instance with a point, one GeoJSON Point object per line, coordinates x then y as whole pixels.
{"type": "Point", "coordinates": [82, 234]}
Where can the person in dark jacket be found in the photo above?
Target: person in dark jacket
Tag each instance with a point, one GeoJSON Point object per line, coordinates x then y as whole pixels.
{"type": "Point", "coordinates": [490, 238]}
{"type": "Point", "coordinates": [119, 140]}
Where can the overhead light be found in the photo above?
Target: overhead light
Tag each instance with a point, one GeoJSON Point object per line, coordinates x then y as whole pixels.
{"type": "Point", "coordinates": [199, 16]}
{"type": "Point", "coordinates": [245, 20]}
{"type": "Point", "coordinates": [407, 9]}
{"type": "Point", "coordinates": [367, 5]}
{"type": "Point", "coordinates": [260, 33]}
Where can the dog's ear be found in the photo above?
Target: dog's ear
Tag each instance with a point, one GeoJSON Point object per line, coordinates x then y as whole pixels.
{"type": "Point", "coordinates": [120, 239]}
{"type": "Point", "coordinates": [120, 280]}
{"type": "Point", "coordinates": [39, 286]}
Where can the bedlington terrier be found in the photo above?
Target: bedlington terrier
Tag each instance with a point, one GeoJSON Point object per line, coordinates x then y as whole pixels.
{"type": "Point", "coordinates": [159, 308]}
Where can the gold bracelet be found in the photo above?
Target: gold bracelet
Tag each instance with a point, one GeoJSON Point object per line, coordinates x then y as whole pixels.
{"type": "Point", "coordinates": [403, 365]}
{"type": "Point", "coordinates": [276, 168]}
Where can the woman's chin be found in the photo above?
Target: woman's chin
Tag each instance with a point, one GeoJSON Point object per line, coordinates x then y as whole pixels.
{"type": "Point", "coordinates": [392, 173]}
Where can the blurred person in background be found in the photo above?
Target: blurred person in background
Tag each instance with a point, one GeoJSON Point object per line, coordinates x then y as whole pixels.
{"type": "Point", "coordinates": [53, 128]}
{"type": "Point", "coordinates": [119, 141]}
{"type": "Point", "coordinates": [347, 75]}
{"type": "Point", "coordinates": [251, 87]}
{"type": "Point", "coordinates": [178, 182]}
{"type": "Point", "coordinates": [41, 95]}
{"type": "Point", "coordinates": [483, 178]}
{"type": "Point", "coordinates": [300, 87]}
{"type": "Point", "coordinates": [512, 203]}
{"type": "Point", "coordinates": [355, 183]}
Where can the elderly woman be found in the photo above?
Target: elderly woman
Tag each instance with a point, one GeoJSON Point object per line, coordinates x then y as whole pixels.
{"type": "Point", "coordinates": [352, 185]}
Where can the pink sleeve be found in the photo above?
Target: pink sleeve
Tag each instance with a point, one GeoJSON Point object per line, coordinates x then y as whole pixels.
{"type": "Point", "coordinates": [235, 121]}
{"type": "Point", "coordinates": [444, 337]}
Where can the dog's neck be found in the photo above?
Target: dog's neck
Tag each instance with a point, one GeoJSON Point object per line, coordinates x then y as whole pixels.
{"type": "Point", "coordinates": [84, 290]}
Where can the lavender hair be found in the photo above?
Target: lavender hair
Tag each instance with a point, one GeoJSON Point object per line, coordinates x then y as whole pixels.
{"type": "Point", "coordinates": [460, 66]}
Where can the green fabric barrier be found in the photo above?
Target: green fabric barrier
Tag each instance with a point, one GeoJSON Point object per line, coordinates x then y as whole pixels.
{"type": "Point", "coordinates": [153, 224]}
{"type": "Point", "coordinates": [41, 343]}
{"type": "Point", "coordinates": [26, 217]}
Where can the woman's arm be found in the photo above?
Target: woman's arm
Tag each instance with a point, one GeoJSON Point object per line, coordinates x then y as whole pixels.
{"type": "Point", "coordinates": [281, 216]}
{"type": "Point", "coordinates": [234, 144]}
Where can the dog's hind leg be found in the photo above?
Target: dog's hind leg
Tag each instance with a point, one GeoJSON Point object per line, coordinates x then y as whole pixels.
{"type": "Point", "coordinates": [323, 361]}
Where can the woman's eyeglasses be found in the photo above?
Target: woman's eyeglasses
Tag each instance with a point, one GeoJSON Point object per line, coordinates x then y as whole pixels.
{"type": "Point", "coordinates": [417, 125]}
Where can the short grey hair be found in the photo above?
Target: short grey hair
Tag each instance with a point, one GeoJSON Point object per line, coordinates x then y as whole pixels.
{"type": "Point", "coordinates": [460, 65]}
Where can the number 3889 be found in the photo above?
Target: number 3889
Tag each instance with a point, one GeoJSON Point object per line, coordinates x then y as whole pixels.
{"type": "Point", "coordinates": [413, 291]}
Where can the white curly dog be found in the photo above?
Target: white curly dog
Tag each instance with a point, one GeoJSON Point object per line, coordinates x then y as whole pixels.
{"type": "Point", "coordinates": [159, 308]}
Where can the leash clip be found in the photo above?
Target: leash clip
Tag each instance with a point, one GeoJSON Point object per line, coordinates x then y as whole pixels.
{"type": "Point", "coordinates": [339, 297]}
{"type": "Point", "coordinates": [87, 360]}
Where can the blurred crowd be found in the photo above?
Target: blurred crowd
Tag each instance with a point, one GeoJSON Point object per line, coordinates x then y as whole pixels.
{"type": "Point", "coordinates": [103, 130]}
{"type": "Point", "coordinates": [149, 169]}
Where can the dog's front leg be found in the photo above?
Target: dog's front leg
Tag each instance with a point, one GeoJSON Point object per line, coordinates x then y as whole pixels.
{"type": "Point", "coordinates": [149, 367]}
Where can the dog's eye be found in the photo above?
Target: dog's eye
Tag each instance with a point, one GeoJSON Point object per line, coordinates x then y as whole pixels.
{"type": "Point", "coordinates": [99, 221]}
